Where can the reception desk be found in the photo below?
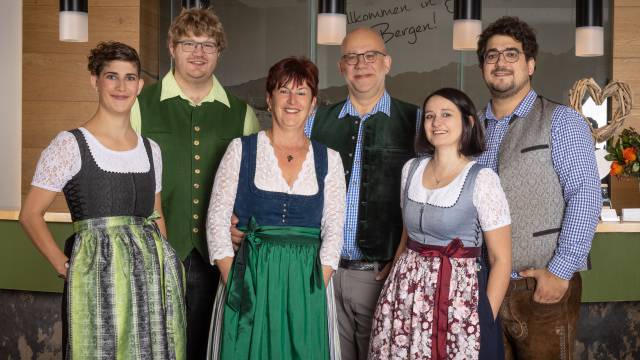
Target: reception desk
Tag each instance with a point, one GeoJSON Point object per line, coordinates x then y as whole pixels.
{"type": "Point", "coordinates": [614, 274]}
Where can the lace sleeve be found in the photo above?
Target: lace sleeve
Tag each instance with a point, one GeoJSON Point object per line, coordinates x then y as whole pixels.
{"type": "Point", "coordinates": [332, 227]}
{"type": "Point", "coordinates": [490, 200]}
{"type": "Point", "coordinates": [58, 163]}
{"type": "Point", "coordinates": [157, 164]}
{"type": "Point", "coordinates": [223, 196]}
{"type": "Point", "coordinates": [403, 181]}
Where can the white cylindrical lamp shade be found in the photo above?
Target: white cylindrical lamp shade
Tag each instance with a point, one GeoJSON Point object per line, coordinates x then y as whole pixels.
{"type": "Point", "coordinates": [589, 30]}
{"type": "Point", "coordinates": [332, 28]}
{"type": "Point", "coordinates": [73, 21]}
{"type": "Point", "coordinates": [466, 33]}
{"type": "Point", "coordinates": [332, 22]}
{"type": "Point", "coordinates": [590, 41]}
{"type": "Point", "coordinates": [467, 24]}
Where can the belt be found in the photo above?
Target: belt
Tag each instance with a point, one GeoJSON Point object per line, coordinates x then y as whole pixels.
{"type": "Point", "coordinates": [527, 283]}
{"type": "Point", "coordinates": [361, 265]}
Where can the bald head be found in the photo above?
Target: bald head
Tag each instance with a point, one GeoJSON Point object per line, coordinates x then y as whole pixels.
{"type": "Point", "coordinates": [364, 64]}
{"type": "Point", "coordinates": [362, 37]}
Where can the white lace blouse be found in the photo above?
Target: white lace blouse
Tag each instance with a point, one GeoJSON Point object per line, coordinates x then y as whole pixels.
{"type": "Point", "coordinates": [268, 177]}
{"type": "Point", "coordinates": [61, 160]}
{"type": "Point", "coordinates": [488, 196]}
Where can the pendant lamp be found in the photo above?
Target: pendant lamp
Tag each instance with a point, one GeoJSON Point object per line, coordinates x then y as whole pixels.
{"type": "Point", "coordinates": [589, 30]}
{"type": "Point", "coordinates": [332, 22]}
{"type": "Point", "coordinates": [74, 21]}
{"type": "Point", "coordinates": [467, 24]}
{"type": "Point", "coordinates": [188, 4]}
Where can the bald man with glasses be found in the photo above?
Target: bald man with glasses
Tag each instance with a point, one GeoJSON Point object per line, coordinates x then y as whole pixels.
{"type": "Point", "coordinates": [374, 134]}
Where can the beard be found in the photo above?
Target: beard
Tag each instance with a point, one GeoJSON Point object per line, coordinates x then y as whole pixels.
{"type": "Point", "coordinates": [505, 89]}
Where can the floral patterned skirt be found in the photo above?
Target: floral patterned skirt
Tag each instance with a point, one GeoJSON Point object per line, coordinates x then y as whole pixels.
{"type": "Point", "coordinates": [403, 320]}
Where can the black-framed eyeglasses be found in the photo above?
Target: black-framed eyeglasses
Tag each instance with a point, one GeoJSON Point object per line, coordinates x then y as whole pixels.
{"type": "Point", "coordinates": [368, 57]}
{"type": "Point", "coordinates": [510, 55]}
{"type": "Point", "coordinates": [208, 47]}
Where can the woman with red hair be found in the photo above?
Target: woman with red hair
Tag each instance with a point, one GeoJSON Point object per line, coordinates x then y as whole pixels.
{"type": "Point", "coordinates": [288, 193]}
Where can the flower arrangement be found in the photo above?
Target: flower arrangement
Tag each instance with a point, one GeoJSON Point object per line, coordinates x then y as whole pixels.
{"type": "Point", "coordinates": [624, 154]}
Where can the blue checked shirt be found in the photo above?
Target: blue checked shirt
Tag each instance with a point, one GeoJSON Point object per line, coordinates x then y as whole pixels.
{"type": "Point", "coordinates": [572, 154]}
{"type": "Point", "coordinates": [350, 249]}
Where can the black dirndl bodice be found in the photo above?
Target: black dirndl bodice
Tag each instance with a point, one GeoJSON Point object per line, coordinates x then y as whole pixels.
{"type": "Point", "coordinates": [94, 192]}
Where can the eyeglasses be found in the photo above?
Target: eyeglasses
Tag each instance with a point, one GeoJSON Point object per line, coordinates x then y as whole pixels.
{"type": "Point", "coordinates": [369, 57]}
{"type": "Point", "coordinates": [208, 47]}
{"type": "Point", "coordinates": [510, 56]}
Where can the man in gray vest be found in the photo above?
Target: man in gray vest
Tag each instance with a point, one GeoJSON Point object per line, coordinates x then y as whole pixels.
{"type": "Point", "coordinates": [544, 155]}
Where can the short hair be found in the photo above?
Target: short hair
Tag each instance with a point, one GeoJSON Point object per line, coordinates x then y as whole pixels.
{"type": "Point", "coordinates": [510, 26]}
{"type": "Point", "coordinates": [107, 51]}
{"type": "Point", "coordinates": [293, 69]}
{"type": "Point", "coordinates": [199, 22]}
{"type": "Point", "coordinates": [472, 139]}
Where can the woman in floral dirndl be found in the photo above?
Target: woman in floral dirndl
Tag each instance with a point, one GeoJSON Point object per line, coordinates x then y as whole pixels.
{"type": "Point", "coordinates": [288, 193]}
{"type": "Point", "coordinates": [442, 296]}
{"type": "Point", "coordinates": [124, 289]}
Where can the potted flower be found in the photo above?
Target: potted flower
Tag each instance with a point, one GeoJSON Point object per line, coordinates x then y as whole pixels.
{"type": "Point", "coordinates": [624, 154]}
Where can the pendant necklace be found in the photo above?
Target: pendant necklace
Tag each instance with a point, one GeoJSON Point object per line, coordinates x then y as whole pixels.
{"type": "Point", "coordinates": [289, 156]}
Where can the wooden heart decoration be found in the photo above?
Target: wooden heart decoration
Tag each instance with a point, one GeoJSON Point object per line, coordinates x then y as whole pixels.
{"type": "Point", "coordinates": [617, 90]}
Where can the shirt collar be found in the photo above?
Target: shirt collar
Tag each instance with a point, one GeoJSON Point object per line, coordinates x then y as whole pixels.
{"type": "Point", "coordinates": [521, 110]}
{"type": "Point", "coordinates": [383, 105]}
{"type": "Point", "coordinates": [171, 89]}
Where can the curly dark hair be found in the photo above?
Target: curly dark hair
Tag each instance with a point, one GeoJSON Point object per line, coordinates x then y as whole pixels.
{"type": "Point", "coordinates": [472, 140]}
{"type": "Point", "coordinates": [107, 51]}
{"type": "Point", "coordinates": [510, 26]}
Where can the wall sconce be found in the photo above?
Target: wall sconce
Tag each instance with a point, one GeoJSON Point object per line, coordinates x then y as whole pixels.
{"type": "Point", "coordinates": [332, 22]}
{"type": "Point", "coordinates": [589, 30]}
{"type": "Point", "coordinates": [74, 21]}
{"type": "Point", "coordinates": [467, 24]}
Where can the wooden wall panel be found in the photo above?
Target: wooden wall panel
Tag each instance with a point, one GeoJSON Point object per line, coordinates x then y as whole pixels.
{"type": "Point", "coordinates": [625, 3]}
{"type": "Point", "coordinates": [92, 3]}
{"type": "Point", "coordinates": [56, 91]}
{"type": "Point", "coordinates": [626, 42]}
{"type": "Point", "coordinates": [627, 69]}
{"type": "Point", "coordinates": [149, 46]}
{"type": "Point", "coordinates": [42, 120]}
{"type": "Point", "coordinates": [40, 29]}
{"type": "Point", "coordinates": [625, 193]}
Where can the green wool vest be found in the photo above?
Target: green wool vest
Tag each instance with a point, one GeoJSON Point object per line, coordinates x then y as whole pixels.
{"type": "Point", "coordinates": [387, 143]}
{"type": "Point", "coordinates": [193, 140]}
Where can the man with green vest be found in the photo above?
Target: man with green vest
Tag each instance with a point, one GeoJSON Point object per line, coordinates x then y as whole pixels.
{"type": "Point", "coordinates": [193, 119]}
{"type": "Point", "coordinates": [374, 134]}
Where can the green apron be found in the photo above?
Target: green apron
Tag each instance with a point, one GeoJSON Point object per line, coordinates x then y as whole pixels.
{"type": "Point", "coordinates": [276, 305]}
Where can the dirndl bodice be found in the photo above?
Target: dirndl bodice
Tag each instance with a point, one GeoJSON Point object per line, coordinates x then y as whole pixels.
{"type": "Point", "coordinates": [276, 208]}
{"type": "Point", "coordinates": [96, 193]}
{"type": "Point", "coordinates": [434, 225]}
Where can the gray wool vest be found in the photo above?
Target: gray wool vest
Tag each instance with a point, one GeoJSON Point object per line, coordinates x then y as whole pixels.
{"type": "Point", "coordinates": [532, 187]}
{"type": "Point", "coordinates": [434, 225]}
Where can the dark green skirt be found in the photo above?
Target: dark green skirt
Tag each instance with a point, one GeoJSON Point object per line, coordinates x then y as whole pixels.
{"type": "Point", "coordinates": [125, 292]}
{"type": "Point", "coordinates": [276, 305]}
